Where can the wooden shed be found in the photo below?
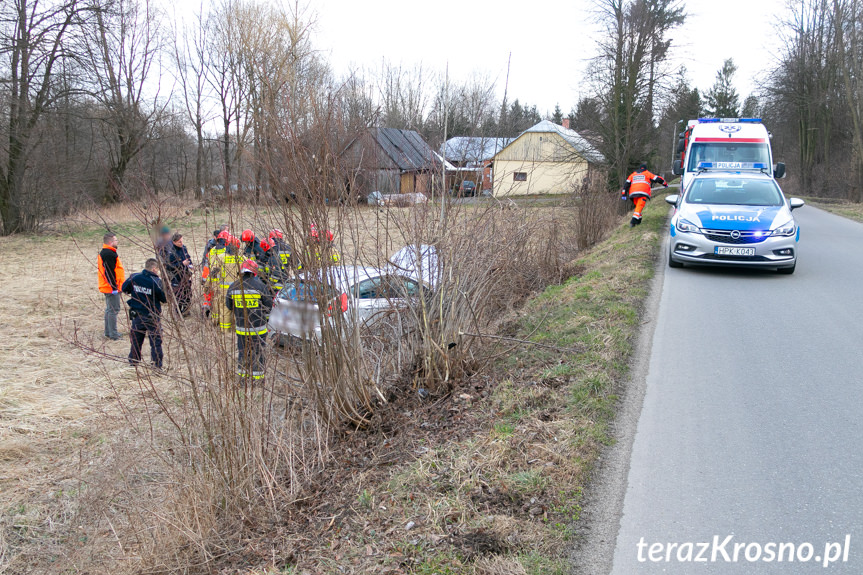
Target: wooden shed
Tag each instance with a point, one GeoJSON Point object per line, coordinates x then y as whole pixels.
{"type": "Point", "coordinates": [391, 161]}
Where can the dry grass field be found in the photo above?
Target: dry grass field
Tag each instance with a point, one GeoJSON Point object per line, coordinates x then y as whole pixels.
{"type": "Point", "coordinates": [66, 392]}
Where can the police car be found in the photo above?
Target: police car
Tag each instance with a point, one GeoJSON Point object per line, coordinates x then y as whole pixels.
{"type": "Point", "coordinates": [734, 214]}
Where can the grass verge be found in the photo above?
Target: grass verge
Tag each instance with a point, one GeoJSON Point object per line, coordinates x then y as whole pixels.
{"type": "Point", "coordinates": [490, 479]}
{"type": "Point", "coordinates": [850, 210]}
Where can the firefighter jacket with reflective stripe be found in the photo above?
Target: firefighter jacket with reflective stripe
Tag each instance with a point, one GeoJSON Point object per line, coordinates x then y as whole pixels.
{"type": "Point", "coordinates": [147, 293]}
{"type": "Point", "coordinates": [251, 302]}
{"type": "Point", "coordinates": [224, 266]}
{"type": "Point", "coordinates": [111, 272]}
{"type": "Point", "coordinates": [639, 182]}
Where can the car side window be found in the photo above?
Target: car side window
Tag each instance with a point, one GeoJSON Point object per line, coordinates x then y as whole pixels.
{"type": "Point", "coordinates": [369, 289]}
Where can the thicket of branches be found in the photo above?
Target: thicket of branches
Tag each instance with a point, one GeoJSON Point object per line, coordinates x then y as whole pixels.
{"type": "Point", "coordinates": [814, 98]}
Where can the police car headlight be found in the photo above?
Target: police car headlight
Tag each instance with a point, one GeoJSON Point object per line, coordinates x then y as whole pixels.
{"type": "Point", "coordinates": [687, 227]}
{"type": "Point", "coordinates": [785, 230]}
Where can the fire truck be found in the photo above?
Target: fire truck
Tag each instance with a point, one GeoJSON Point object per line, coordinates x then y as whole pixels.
{"type": "Point", "coordinates": [725, 143]}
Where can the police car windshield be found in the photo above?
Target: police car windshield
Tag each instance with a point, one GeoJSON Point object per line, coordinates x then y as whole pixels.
{"type": "Point", "coordinates": [731, 152]}
{"type": "Point", "coordinates": [734, 191]}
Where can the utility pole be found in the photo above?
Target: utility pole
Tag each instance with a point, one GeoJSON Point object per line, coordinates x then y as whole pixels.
{"type": "Point", "coordinates": [443, 195]}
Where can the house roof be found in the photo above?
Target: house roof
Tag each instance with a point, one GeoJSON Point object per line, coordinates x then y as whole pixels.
{"type": "Point", "coordinates": [406, 148]}
{"type": "Point", "coordinates": [581, 145]}
{"type": "Point", "coordinates": [465, 149]}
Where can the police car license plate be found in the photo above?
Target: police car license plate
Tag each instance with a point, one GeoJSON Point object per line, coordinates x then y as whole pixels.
{"type": "Point", "coordinates": [724, 251]}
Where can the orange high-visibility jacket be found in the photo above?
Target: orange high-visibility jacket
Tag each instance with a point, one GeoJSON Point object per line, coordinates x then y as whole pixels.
{"type": "Point", "coordinates": [111, 272]}
{"type": "Point", "coordinates": [639, 182]}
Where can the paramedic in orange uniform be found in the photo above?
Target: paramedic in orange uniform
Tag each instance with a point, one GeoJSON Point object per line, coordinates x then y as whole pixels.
{"type": "Point", "coordinates": [637, 189]}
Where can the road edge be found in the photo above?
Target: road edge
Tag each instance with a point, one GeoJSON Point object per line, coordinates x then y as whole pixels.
{"type": "Point", "coordinates": [599, 523]}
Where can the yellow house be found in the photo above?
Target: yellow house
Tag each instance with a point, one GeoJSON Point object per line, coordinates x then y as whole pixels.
{"type": "Point", "coordinates": [545, 159]}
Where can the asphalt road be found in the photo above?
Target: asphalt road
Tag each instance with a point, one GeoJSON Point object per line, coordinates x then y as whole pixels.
{"type": "Point", "coordinates": [752, 419]}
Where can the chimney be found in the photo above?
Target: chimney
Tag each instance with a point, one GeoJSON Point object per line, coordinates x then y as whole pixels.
{"type": "Point", "coordinates": [566, 123]}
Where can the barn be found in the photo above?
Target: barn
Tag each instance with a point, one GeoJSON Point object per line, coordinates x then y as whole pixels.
{"type": "Point", "coordinates": [390, 161]}
{"type": "Point", "coordinates": [545, 159]}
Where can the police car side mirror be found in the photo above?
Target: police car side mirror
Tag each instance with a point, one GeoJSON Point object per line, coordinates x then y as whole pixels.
{"type": "Point", "coordinates": [672, 199]}
{"type": "Point", "coordinates": [795, 203]}
{"type": "Point", "coordinates": [779, 170]}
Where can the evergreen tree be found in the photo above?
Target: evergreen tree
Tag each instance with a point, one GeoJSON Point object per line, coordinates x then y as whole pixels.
{"type": "Point", "coordinates": [722, 99]}
{"type": "Point", "coordinates": [557, 116]}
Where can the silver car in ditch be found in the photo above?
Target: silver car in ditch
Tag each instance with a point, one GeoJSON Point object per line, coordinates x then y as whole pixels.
{"type": "Point", "coordinates": [734, 215]}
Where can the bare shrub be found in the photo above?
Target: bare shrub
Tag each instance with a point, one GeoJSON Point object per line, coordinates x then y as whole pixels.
{"type": "Point", "coordinates": [597, 209]}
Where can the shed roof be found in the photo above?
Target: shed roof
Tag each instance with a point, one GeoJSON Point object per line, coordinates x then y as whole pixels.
{"type": "Point", "coordinates": [406, 148]}
{"type": "Point", "coordinates": [581, 145]}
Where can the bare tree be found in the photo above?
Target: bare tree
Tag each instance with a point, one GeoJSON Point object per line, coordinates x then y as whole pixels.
{"type": "Point", "coordinates": [848, 20]}
{"type": "Point", "coordinates": [190, 58]}
{"type": "Point", "coordinates": [32, 36]}
{"type": "Point", "coordinates": [625, 74]}
{"type": "Point", "coordinates": [123, 47]}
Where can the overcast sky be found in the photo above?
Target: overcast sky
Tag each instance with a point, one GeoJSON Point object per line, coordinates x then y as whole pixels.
{"type": "Point", "coordinates": [549, 41]}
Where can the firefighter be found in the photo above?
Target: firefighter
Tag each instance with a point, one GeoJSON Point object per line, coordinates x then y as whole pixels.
{"type": "Point", "coordinates": [281, 250]}
{"type": "Point", "coordinates": [145, 309]}
{"type": "Point", "coordinates": [211, 243]}
{"type": "Point", "coordinates": [323, 244]}
{"type": "Point", "coordinates": [111, 277]}
{"type": "Point", "coordinates": [224, 269]}
{"type": "Point", "coordinates": [252, 248]}
{"type": "Point", "coordinates": [250, 301]}
{"type": "Point", "coordinates": [637, 189]}
{"type": "Point", "coordinates": [275, 274]}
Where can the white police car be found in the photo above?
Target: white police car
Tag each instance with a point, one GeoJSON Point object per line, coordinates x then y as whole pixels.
{"type": "Point", "coordinates": [734, 214]}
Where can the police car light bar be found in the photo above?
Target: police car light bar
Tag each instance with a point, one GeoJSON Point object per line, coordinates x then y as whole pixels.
{"type": "Point", "coordinates": [732, 166]}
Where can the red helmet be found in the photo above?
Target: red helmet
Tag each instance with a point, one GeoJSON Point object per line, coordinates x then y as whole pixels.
{"type": "Point", "coordinates": [235, 241]}
{"type": "Point", "coordinates": [249, 267]}
{"type": "Point", "coordinates": [224, 235]}
{"type": "Point", "coordinates": [313, 233]}
{"type": "Point", "coordinates": [276, 234]}
{"type": "Point", "coordinates": [247, 236]}
{"type": "Point", "coordinates": [265, 245]}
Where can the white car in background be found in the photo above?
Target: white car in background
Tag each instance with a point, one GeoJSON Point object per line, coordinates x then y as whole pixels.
{"type": "Point", "coordinates": [734, 215]}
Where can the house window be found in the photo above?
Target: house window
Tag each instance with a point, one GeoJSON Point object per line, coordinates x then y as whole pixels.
{"type": "Point", "coordinates": [519, 176]}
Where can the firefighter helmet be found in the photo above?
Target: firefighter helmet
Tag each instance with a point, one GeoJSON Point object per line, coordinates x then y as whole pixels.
{"type": "Point", "coordinates": [224, 235]}
{"type": "Point", "coordinates": [265, 245]}
{"type": "Point", "coordinates": [276, 234]}
{"type": "Point", "coordinates": [247, 236]}
{"type": "Point", "coordinates": [313, 233]}
{"type": "Point", "coordinates": [249, 267]}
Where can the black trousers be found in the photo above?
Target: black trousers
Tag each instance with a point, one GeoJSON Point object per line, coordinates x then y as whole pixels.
{"type": "Point", "coordinates": [149, 327]}
{"type": "Point", "coordinates": [182, 288]}
{"type": "Point", "coordinates": [250, 355]}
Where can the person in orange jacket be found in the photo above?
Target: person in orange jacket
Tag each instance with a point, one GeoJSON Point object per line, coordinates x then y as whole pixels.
{"type": "Point", "coordinates": [111, 278]}
{"type": "Point", "coordinates": [637, 188]}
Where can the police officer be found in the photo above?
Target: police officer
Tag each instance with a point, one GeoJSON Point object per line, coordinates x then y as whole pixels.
{"type": "Point", "coordinates": [145, 309]}
{"type": "Point", "coordinates": [637, 188]}
{"type": "Point", "coordinates": [178, 264]}
{"type": "Point", "coordinates": [250, 301]}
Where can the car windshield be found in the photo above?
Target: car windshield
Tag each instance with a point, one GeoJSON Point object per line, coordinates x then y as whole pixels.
{"type": "Point", "coordinates": [730, 152]}
{"type": "Point", "coordinates": [734, 191]}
